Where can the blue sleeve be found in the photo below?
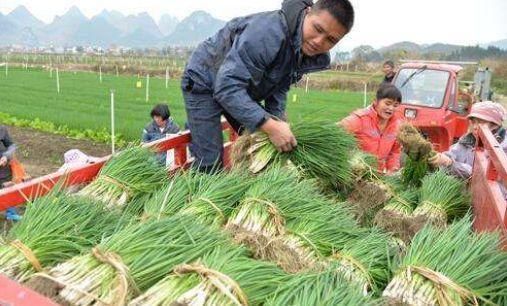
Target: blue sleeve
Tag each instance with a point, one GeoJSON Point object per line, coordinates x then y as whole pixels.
{"type": "Point", "coordinates": [276, 103]}
{"type": "Point", "coordinates": [252, 52]}
{"type": "Point", "coordinates": [145, 137]}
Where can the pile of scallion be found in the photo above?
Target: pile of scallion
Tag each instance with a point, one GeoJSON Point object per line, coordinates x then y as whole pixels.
{"type": "Point", "coordinates": [225, 276]}
{"type": "Point", "coordinates": [128, 262]}
{"type": "Point", "coordinates": [452, 266]}
{"type": "Point", "coordinates": [129, 174]}
{"type": "Point", "coordinates": [54, 228]}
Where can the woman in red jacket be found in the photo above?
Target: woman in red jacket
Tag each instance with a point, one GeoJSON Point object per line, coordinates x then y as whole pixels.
{"type": "Point", "coordinates": [376, 126]}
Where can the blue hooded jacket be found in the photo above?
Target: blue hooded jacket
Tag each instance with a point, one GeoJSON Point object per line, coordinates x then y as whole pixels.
{"type": "Point", "coordinates": [252, 59]}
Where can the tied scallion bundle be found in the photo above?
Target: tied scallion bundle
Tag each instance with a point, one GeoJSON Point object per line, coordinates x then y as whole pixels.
{"type": "Point", "coordinates": [54, 228]}
{"type": "Point", "coordinates": [324, 288]}
{"type": "Point", "coordinates": [216, 196]}
{"type": "Point", "coordinates": [418, 151]}
{"type": "Point", "coordinates": [451, 266]}
{"type": "Point", "coordinates": [312, 237]}
{"type": "Point", "coordinates": [173, 196]}
{"type": "Point", "coordinates": [128, 262]}
{"type": "Point", "coordinates": [274, 197]}
{"type": "Point", "coordinates": [443, 198]}
{"type": "Point", "coordinates": [396, 216]}
{"type": "Point", "coordinates": [223, 277]}
{"type": "Point", "coordinates": [129, 174]}
{"type": "Point", "coordinates": [365, 261]}
{"type": "Point", "coordinates": [323, 152]}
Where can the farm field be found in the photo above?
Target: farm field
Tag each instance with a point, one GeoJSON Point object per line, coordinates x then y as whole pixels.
{"type": "Point", "coordinates": [84, 103]}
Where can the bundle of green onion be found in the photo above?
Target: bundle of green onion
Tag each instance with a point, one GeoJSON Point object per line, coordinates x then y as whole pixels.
{"type": "Point", "coordinates": [363, 166]}
{"type": "Point", "coordinates": [323, 152]}
{"type": "Point", "coordinates": [128, 262]}
{"type": "Point", "coordinates": [365, 261]}
{"type": "Point", "coordinates": [396, 216]}
{"type": "Point", "coordinates": [130, 174]}
{"type": "Point", "coordinates": [326, 288]}
{"type": "Point", "coordinates": [418, 150]}
{"type": "Point", "coordinates": [54, 228]}
{"type": "Point", "coordinates": [451, 266]}
{"type": "Point", "coordinates": [173, 196]}
{"type": "Point", "coordinates": [275, 195]}
{"type": "Point", "coordinates": [224, 277]}
{"type": "Point", "coordinates": [369, 196]}
{"type": "Point", "coordinates": [312, 237]}
{"type": "Point", "coordinates": [443, 197]}
{"type": "Point", "coordinates": [216, 196]}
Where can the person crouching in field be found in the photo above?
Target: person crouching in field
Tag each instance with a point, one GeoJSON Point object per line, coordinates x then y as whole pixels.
{"type": "Point", "coordinates": [161, 126]}
{"type": "Point", "coordinates": [459, 159]}
{"type": "Point", "coordinates": [376, 126]}
{"type": "Point", "coordinates": [7, 149]}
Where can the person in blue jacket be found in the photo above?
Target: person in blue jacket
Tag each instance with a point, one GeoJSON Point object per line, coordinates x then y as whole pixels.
{"type": "Point", "coordinates": [245, 70]}
{"type": "Point", "coordinates": [161, 125]}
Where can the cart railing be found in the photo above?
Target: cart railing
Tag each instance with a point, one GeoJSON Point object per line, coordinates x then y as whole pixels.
{"type": "Point", "coordinates": [30, 190]}
{"type": "Point", "coordinates": [489, 183]}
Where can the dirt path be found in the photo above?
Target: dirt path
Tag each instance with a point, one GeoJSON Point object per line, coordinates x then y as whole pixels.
{"type": "Point", "coordinates": [42, 153]}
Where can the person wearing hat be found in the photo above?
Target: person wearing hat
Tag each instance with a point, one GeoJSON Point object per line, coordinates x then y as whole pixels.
{"type": "Point", "coordinates": [460, 157]}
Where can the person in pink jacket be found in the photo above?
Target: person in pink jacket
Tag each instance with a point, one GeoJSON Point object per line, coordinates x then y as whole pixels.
{"type": "Point", "coordinates": [460, 157]}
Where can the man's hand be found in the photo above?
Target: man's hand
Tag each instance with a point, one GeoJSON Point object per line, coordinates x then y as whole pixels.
{"type": "Point", "coordinates": [440, 159]}
{"type": "Point", "coordinates": [3, 161]}
{"type": "Point", "coordinates": [280, 135]}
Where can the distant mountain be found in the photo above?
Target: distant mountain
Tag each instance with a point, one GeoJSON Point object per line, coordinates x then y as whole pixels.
{"type": "Point", "coordinates": [140, 38]}
{"type": "Point", "coordinates": [502, 44]}
{"type": "Point", "coordinates": [440, 48]}
{"type": "Point", "coordinates": [167, 24]}
{"type": "Point", "coordinates": [97, 31]}
{"type": "Point", "coordinates": [61, 30]}
{"type": "Point", "coordinates": [8, 31]}
{"type": "Point", "coordinates": [404, 45]}
{"type": "Point", "coordinates": [194, 29]}
{"type": "Point", "coordinates": [143, 21]}
{"type": "Point", "coordinates": [115, 18]}
{"type": "Point", "coordinates": [22, 18]}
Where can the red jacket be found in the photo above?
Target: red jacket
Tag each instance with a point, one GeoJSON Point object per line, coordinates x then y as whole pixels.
{"type": "Point", "coordinates": [364, 124]}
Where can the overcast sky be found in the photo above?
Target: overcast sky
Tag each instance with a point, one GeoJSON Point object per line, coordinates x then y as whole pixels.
{"type": "Point", "coordinates": [378, 22]}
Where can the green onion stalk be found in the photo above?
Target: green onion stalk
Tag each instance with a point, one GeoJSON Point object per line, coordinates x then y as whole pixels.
{"type": "Point", "coordinates": [323, 152]}
{"type": "Point", "coordinates": [129, 174]}
{"type": "Point", "coordinates": [396, 216]}
{"type": "Point", "coordinates": [443, 198]}
{"type": "Point", "coordinates": [418, 150]}
{"type": "Point", "coordinates": [275, 196]}
{"type": "Point", "coordinates": [224, 277]}
{"type": "Point", "coordinates": [129, 262]}
{"type": "Point", "coordinates": [324, 288]}
{"type": "Point", "coordinates": [363, 166]}
{"type": "Point", "coordinates": [216, 196]}
{"type": "Point", "coordinates": [312, 237]}
{"type": "Point", "coordinates": [365, 261]}
{"type": "Point", "coordinates": [450, 266]}
{"type": "Point", "coordinates": [173, 196]}
{"type": "Point", "coordinates": [54, 228]}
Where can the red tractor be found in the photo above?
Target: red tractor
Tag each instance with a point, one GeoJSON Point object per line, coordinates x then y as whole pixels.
{"type": "Point", "coordinates": [434, 102]}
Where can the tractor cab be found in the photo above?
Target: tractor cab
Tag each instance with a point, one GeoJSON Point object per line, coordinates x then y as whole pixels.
{"type": "Point", "coordinates": [433, 101]}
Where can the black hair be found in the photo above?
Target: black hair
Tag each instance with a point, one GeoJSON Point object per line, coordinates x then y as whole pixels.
{"type": "Point", "coordinates": [389, 63]}
{"type": "Point", "coordinates": [388, 91]}
{"type": "Point", "coordinates": [341, 10]}
{"type": "Point", "coordinates": [161, 110]}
